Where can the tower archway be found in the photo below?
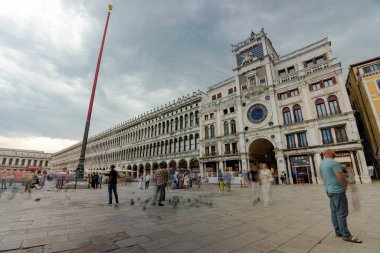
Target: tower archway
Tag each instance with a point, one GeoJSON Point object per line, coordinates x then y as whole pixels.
{"type": "Point", "coordinates": [262, 151]}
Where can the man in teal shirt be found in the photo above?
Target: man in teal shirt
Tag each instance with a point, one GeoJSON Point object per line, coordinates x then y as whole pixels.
{"type": "Point", "coordinates": [336, 185]}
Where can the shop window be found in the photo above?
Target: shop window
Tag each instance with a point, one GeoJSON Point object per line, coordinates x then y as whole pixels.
{"type": "Point", "coordinates": [297, 113]}
{"type": "Point", "coordinates": [326, 136]}
{"type": "Point", "coordinates": [287, 116]}
{"type": "Point", "coordinates": [291, 141]}
{"type": "Point", "coordinates": [341, 135]}
{"type": "Point", "coordinates": [321, 108]}
{"type": "Point", "coordinates": [333, 105]}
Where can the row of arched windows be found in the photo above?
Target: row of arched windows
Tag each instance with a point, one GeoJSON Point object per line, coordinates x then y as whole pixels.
{"type": "Point", "coordinates": [24, 162]}
{"type": "Point", "coordinates": [165, 127]}
{"type": "Point", "coordinates": [176, 145]}
{"type": "Point", "coordinates": [320, 107]}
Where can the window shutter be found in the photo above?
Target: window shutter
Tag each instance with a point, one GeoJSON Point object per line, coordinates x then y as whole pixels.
{"type": "Point", "coordinates": [279, 96]}
{"type": "Point", "coordinates": [288, 93]}
{"type": "Point", "coordinates": [314, 60]}
{"type": "Point", "coordinates": [322, 84]}
{"type": "Point", "coordinates": [310, 86]}
{"type": "Point", "coordinates": [304, 64]}
{"type": "Point", "coordinates": [333, 80]}
{"type": "Point", "coordinates": [325, 57]}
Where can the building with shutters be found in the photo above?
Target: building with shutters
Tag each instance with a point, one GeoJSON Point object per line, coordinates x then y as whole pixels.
{"type": "Point", "coordinates": [363, 87]}
{"type": "Point", "coordinates": [279, 110]}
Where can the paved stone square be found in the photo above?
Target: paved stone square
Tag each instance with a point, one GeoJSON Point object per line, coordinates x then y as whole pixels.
{"type": "Point", "coordinates": [203, 221]}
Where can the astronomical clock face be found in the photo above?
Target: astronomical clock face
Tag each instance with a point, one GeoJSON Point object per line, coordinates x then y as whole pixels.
{"type": "Point", "coordinates": [257, 113]}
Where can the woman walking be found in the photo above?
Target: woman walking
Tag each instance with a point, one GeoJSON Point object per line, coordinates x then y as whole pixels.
{"type": "Point", "coordinates": [220, 182]}
{"type": "Point", "coordinates": [266, 181]}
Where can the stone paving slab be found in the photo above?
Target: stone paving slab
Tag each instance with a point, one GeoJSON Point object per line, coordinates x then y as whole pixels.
{"type": "Point", "coordinates": [68, 221]}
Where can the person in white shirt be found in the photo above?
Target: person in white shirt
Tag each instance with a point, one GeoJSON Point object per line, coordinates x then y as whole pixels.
{"type": "Point", "coordinates": [266, 181]}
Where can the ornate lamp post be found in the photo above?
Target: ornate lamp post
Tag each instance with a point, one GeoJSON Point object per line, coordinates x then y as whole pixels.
{"type": "Point", "coordinates": [80, 168]}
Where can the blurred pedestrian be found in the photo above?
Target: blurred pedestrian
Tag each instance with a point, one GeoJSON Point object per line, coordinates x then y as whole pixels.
{"type": "Point", "coordinates": [227, 177]}
{"type": "Point", "coordinates": [140, 184]}
{"type": "Point", "coordinates": [4, 180]}
{"type": "Point", "coordinates": [220, 182]}
{"type": "Point", "coordinates": [147, 181]}
{"type": "Point", "coordinates": [255, 182]}
{"type": "Point", "coordinates": [160, 179]}
{"type": "Point", "coordinates": [186, 182]}
{"type": "Point", "coordinates": [112, 185]}
{"type": "Point", "coordinates": [266, 181]}
{"type": "Point", "coordinates": [283, 177]}
{"type": "Point", "coordinates": [336, 185]}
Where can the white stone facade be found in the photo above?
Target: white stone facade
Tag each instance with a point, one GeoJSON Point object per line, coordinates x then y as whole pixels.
{"type": "Point", "coordinates": [28, 160]}
{"type": "Point", "coordinates": [279, 110]}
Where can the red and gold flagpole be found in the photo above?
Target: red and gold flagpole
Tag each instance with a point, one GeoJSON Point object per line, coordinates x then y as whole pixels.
{"type": "Point", "coordinates": [80, 168]}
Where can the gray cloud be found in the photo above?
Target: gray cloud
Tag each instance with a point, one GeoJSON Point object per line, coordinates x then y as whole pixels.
{"type": "Point", "coordinates": [155, 51]}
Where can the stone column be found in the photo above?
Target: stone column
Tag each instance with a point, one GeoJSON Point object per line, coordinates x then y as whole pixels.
{"type": "Point", "coordinates": [221, 167]}
{"type": "Point", "coordinates": [290, 171]}
{"type": "Point", "coordinates": [313, 171]}
{"type": "Point", "coordinates": [318, 160]}
{"type": "Point", "coordinates": [366, 179]}
{"type": "Point", "coordinates": [357, 178]}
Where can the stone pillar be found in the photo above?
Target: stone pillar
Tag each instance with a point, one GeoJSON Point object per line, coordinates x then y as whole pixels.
{"type": "Point", "coordinates": [357, 178]}
{"type": "Point", "coordinates": [290, 171]}
{"type": "Point", "coordinates": [318, 160]}
{"type": "Point", "coordinates": [281, 166]}
{"type": "Point", "coordinates": [366, 179]}
{"type": "Point", "coordinates": [313, 170]}
{"type": "Point", "coordinates": [220, 166]}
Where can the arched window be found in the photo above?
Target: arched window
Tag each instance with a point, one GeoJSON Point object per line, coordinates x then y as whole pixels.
{"type": "Point", "coordinates": [297, 113]}
{"type": "Point", "coordinates": [176, 124]}
{"type": "Point", "coordinates": [287, 116]}
{"type": "Point", "coordinates": [333, 105]}
{"type": "Point", "coordinates": [206, 132]}
{"type": "Point", "coordinates": [180, 144]}
{"type": "Point", "coordinates": [181, 122]}
{"type": "Point", "coordinates": [233, 127]}
{"type": "Point", "coordinates": [321, 108]}
{"type": "Point", "coordinates": [212, 131]}
{"type": "Point", "coordinates": [196, 117]}
{"type": "Point", "coordinates": [191, 119]}
{"type": "Point", "coordinates": [226, 128]}
{"type": "Point", "coordinates": [196, 141]}
{"type": "Point", "coordinates": [191, 142]}
{"type": "Point", "coordinates": [186, 120]}
{"type": "Point", "coordinates": [185, 140]}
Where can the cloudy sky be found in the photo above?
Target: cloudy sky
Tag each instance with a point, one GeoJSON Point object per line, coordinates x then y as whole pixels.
{"type": "Point", "coordinates": [155, 51]}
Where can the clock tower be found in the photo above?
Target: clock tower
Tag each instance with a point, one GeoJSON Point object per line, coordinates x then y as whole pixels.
{"type": "Point", "coordinates": [259, 127]}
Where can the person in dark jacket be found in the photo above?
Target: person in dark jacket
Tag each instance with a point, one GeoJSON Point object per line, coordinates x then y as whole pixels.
{"type": "Point", "coordinates": [112, 182]}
